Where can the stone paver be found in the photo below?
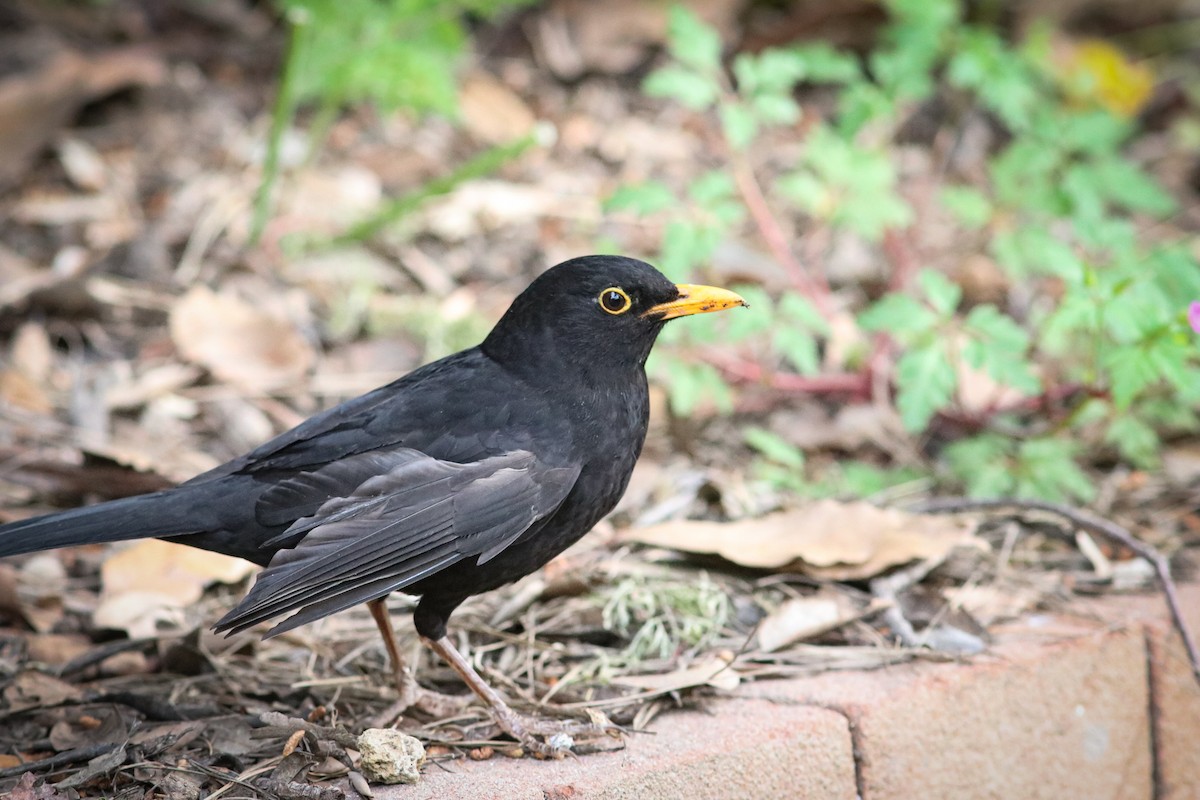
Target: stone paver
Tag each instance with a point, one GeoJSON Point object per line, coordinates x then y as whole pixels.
{"type": "Point", "coordinates": [1059, 707]}
{"type": "Point", "coordinates": [738, 749]}
{"type": "Point", "coordinates": [1029, 720]}
{"type": "Point", "coordinates": [1176, 707]}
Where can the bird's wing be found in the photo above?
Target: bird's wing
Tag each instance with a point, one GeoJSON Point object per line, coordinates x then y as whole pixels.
{"type": "Point", "coordinates": [408, 516]}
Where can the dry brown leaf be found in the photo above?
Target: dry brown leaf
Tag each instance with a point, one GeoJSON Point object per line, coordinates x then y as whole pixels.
{"type": "Point", "coordinates": [57, 648]}
{"type": "Point", "coordinates": [991, 603]}
{"type": "Point", "coordinates": [577, 36]}
{"type": "Point", "coordinates": [238, 342]}
{"type": "Point", "coordinates": [714, 672]}
{"type": "Point", "coordinates": [32, 689]}
{"type": "Point", "coordinates": [804, 617]}
{"type": "Point", "coordinates": [149, 583]}
{"type": "Point", "coordinates": [826, 539]}
{"type": "Point", "coordinates": [31, 360]}
{"type": "Point", "coordinates": [16, 389]}
{"type": "Point", "coordinates": [492, 112]}
{"type": "Point", "coordinates": [327, 200]}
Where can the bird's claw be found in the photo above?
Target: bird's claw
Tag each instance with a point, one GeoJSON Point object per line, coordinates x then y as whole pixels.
{"type": "Point", "coordinates": [557, 738]}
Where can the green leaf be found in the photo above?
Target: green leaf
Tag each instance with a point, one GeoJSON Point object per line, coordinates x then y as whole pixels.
{"type": "Point", "coordinates": [983, 464]}
{"type": "Point", "coordinates": [686, 245]}
{"type": "Point", "coordinates": [711, 187]}
{"type": "Point", "coordinates": [998, 345]}
{"type": "Point", "coordinates": [859, 479]}
{"type": "Point", "coordinates": [692, 42]}
{"type": "Point", "coordinates": [797, 309]}
{"type": "Point", "coordinates": [1089, 131]}
{"type": "Point", "coordinates": [969, 205]}
{"type": "Point", "coordinates": [899, 315]}
{"type": "Point", "coordinates": [1033, 250]}
{"type": "Point", "coordinates": [1046, 469]}
{"type": "Point", "coordinates": [776, 109]}
{"type": "Point", "coordinates": [925, 382]}
{"type": "Point", "coordinates": [824, 64]}
{"type": "Point", "coordinates": [799, 347]}
{"type": "Point", "coordinates": [641, 198]}
{"type": "Point", "coordinates": [774, 447]}
{"type": "Point", "coordinates": [774, 70]}
{"type": "Point", "coordinates": [684, 86]}
{"type": "Point", "coordinates": [807, 191]}
{"type": "Point", "coordinates": [1131, 372]}
{"type": "Point", "coordinates": [739, 124]}
{"type": "Point", "coordinates": [942, 293]}
{"type": "Point", "coordinates": [1127, 185]}
{"type": "Point", "coordinates": [1134, 439]}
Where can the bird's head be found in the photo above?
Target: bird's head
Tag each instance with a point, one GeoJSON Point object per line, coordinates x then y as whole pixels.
{"type": "Point", "coordinates": [598, 314]}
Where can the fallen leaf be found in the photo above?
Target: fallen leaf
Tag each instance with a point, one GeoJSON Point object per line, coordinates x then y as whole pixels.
{"type": "Point", "coordinates": [714, 672]}
{"type": "Point", "coordinates": [83, 165]}
{"type": "Point", "coordinates": [33, 689]}
{"type": "Point", "coordinates": [491, 111]}
{"type": "Point", "coordinates": [25, 790]}
{"type": "Point", "coordinates": [97, 767]}
{"type": "Point", "coordinates": [488, 205]}
{"type": "Point", "coordinates": [991, 603]}
{"type": "Point", "coordinates": [99, 725]}
{"type": "Point", "coordinates": [239, 342]}
{"type": "Point", "coordinates": [804, 617]}
{"type": "Point", "coordinates": [826, 539]}
{"type": "Point", "coordinates": [57, 648]}
{"type": "Point", "coordinates": [574, 37]}
{"type": "Point", "coordinates": [48, 83]}
{"type": "Point", "coordinates": [147, 583]}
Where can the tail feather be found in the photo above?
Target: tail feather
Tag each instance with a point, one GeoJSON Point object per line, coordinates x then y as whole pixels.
{"type": "Point", "coordinates": [140, 517]}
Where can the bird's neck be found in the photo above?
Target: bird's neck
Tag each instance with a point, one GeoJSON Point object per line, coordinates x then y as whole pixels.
{"type": "Point", "coordinates": [557, 362]}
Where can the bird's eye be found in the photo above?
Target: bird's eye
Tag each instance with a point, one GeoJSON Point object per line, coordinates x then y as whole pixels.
{"type": "Point", "coordinates": [614, 300]}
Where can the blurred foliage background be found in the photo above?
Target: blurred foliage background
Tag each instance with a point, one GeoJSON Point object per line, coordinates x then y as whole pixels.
{"type": "Point", "coordinates": [968, 230]}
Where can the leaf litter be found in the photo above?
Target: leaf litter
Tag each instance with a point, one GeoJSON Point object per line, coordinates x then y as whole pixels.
{"type": "Point", "coordinates": [115, 380]}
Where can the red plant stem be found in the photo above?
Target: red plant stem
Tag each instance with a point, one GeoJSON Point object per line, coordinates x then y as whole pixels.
{"type": "Point", "coordinates": [898, 250]}
{"type": "Point", "coordinates": [852, 383]}
{"type": "Point", "coordinates": [816, 290]}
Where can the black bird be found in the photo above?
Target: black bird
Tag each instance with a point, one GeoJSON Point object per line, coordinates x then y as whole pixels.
{"type": "Point", "coordinates": [464, 475]}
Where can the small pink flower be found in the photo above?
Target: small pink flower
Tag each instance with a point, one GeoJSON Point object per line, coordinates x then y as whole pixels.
{"type": "Point", "coordinates": [1194, 316]}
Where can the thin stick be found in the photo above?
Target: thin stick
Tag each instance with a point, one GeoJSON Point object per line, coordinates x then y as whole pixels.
{"type": "Point", "coordinates": [1102, 527]}
{"type": "Point", "coordinates": [55, 762]}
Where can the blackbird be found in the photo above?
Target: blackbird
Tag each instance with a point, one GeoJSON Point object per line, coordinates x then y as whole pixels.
{"type": "Point", "coordinates": [464, 475]}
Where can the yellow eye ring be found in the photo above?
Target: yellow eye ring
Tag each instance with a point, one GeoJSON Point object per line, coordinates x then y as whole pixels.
{"type": "Point", "coordinates": [614, 300]}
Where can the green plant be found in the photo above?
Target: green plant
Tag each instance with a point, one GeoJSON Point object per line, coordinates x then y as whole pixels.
{"type": "Point", "coordinates": [662, 616]}
{"type": "Point", "coordinates": [393, 54]}
{"type": "Point", "coordinates": [1102, 359]}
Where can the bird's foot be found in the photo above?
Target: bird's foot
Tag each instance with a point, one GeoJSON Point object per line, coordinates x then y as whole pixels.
{"type": "Point", "coordinates": [556, 738]}
{"type": "Point", "coordinates": [427, 701]}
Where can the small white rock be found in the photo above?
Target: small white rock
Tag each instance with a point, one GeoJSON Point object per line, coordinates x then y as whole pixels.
{"type": "Point", "coordinates": [389, 756]}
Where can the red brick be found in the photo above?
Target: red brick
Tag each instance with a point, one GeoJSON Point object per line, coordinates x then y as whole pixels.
{"type": "Point", "coordinates": [1176, 704]}
{"type": "Point", "coordinates": [1039, 716]}
{"type": "Point", "coordinates": [736, 749]}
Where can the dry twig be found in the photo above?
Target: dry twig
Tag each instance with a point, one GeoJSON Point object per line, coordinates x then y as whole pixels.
{"type": "Point", "coordinates": [1101, 527]}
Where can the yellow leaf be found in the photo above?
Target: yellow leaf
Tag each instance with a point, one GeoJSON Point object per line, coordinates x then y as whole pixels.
{"type": "Point", "coordinates": [1096, 70]}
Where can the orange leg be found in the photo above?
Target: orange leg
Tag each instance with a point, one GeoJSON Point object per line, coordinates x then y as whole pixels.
{"type": "Point", "coordinates": [406, 684]}
{"type": "Point", "coordinates": [508, 720]}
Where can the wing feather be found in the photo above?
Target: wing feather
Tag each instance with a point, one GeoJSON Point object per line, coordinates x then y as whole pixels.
{"type": "Point", "coordinates": [396, 518]}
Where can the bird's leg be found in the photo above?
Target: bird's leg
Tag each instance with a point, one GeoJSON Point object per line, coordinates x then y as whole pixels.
{"type": "Point", "coordinates": [406, 684]}
{"type": "Point", "coordinates": [509, 721]}
{"type": "Point", "coordinates": [411, 693]}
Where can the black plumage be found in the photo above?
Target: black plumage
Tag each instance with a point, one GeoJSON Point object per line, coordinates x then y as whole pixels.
{"type": "Point", "coordinates": [463, 475]}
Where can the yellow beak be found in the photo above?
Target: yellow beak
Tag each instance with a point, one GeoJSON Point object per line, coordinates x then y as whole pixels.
{"type": "Point", "coordinates": [695, 299]}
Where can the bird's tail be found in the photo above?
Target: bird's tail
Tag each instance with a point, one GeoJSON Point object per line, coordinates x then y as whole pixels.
{"type": "Point", "coordinates": [139, 517]}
